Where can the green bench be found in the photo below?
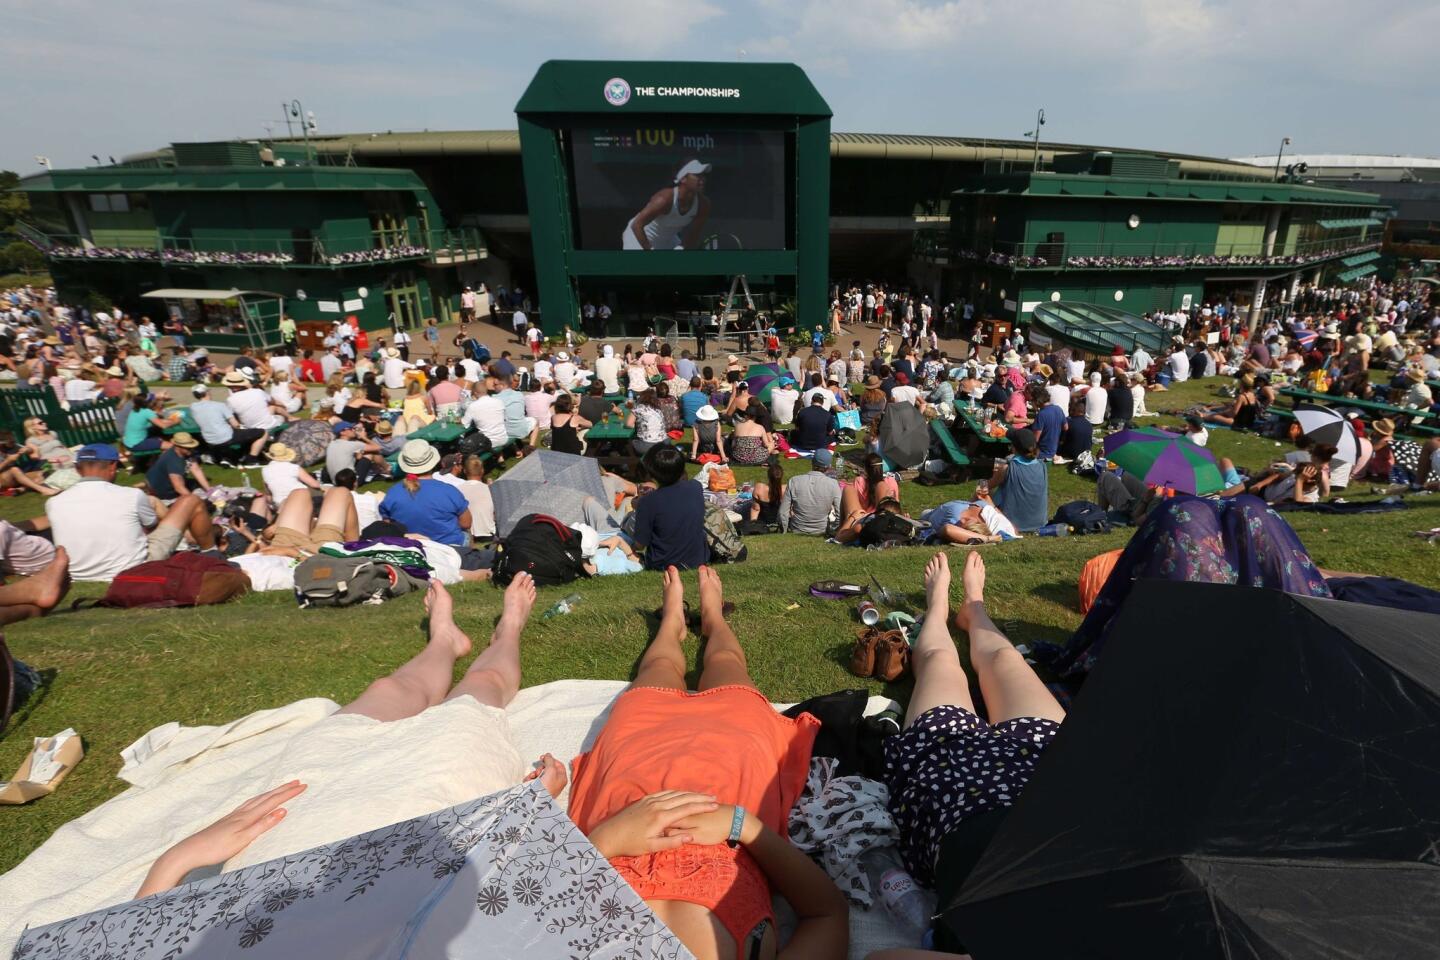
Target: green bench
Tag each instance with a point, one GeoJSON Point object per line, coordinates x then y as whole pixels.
{"type": "Point", "coordinates": [1370, 406]}
{"type": "Point", "coordinates": [94, 423]}
{"type": "Point", "coordinates": [948, 445]}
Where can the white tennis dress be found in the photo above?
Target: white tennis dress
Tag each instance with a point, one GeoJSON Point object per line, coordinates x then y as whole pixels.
{"type": "Point", "coordinates": [664, 231]}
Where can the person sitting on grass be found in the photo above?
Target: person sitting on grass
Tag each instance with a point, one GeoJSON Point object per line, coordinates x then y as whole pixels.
{"type": "Point", "coordinates": [1020, 483]}
{"type": "Point", "coordinates": [177, 471]}
{"type": "Point", "coordinates": [416, 711]}
{"type": "Point", "coordinates": [688, 796]}
{"type": "Point", "coordinates": [813, 429]}
{"type": "Point", "coordinates": [1240, 414]}
{"type": "Point", "coordinates": [952, 774]}
{"type": "Point", "coordinates": [45, 574]}
{"type": "Point", "coordinates": [670, 520]}
{"type": "Point", "coordinates": [299, 531]}
{"type": "Point", "coordinates": [424, 505]}
{"type": "Point", "coordinates": [144, 425]}
{"type": "Point", "coordinates": [705, 439]}
{"type": "Point", "coordinates": [107, 528]}
{"type": "Point", "coordinates": [811, 499]}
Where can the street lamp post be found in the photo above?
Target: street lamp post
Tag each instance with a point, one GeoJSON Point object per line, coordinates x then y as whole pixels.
{"type": "Point", "coordinates": [1039, 122]}
{"type": "Point", "coordinates": [306, 121]}
{"type": "Point", "coordinates": [1284, 142]}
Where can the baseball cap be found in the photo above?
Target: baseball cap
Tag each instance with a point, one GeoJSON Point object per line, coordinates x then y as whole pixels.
{"type": "Point", "coordinates": [823, 457]}
{"type": "Point", "coordinates": [98, 453]}
{"type": "Point", "coordinates": [342, 426]}
{"type": "Point", "coordinates": [1023, 438]}
{"type": "Point", "coordinates": [200, 390]}
{"type": "Point", "coordinates": [693, 166]}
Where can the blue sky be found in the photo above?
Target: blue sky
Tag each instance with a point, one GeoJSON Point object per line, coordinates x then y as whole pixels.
{"type": "Point", "coordinates": [1219, 78]}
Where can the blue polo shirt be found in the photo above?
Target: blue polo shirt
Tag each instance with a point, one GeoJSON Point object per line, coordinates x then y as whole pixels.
{"type": "Point", "coordinates": [1048, 424]}
{"type": "Point", "coordinates": [691, 401]}
{"type": "Point", "coordinates": [433, 510]}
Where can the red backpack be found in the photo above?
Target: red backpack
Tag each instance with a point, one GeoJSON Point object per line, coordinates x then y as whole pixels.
{"type": "Point", "coordinates": [184, 580]}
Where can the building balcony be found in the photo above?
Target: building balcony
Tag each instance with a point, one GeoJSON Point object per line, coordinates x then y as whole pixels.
{"type": "Point", "coordinates": [1157, 256]}
{"type": "Point", "coordinates": [325, 253]}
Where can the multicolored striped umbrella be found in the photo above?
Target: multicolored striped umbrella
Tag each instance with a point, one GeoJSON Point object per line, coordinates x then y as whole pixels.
{"type": "Point", "coordinates": [1164, 459]}
{"type": "Point", "coordinates": [761, 379]}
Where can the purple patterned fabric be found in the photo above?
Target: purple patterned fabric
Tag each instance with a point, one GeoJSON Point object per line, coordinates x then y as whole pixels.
{"type": "Point", "coordinates": [1238, 540]}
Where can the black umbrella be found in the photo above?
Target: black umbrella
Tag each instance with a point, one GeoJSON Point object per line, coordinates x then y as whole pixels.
{"type": "Point", "coordinates": [1329, 428]}
{"type": "Point", "coordinates": [1246, 773]}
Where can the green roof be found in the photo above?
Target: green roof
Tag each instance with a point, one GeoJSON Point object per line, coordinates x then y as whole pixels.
{"type": "Point", "coordinates": [1096, 328]}
{"type": "Point", "coordinates": [1360, 258]}
{"type": "Point", "coordinates": [1045, 184]}
{"type": "Point", "coordinates": [1347, 224]}
{"type": "Point", "coordinates": [671, 87]}
{"type": "Point", "coordinates": [136, 179]}
{"type": "Point", "coordinates": [1356, 273]}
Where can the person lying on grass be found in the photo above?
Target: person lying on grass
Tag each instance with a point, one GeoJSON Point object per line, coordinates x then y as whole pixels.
{"type": "Point", "coordinates": [455, 731]}
{"type": "Point", "coordinates": [688, 796]}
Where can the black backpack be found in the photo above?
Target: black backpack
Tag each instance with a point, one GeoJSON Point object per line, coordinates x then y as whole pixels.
{"type": "Point", "coordinates": [474, 444]}
{"type": "Point", "coordinates": [541, 546]}
{"type": "Point", "coordinates": [1083, 516]}
{"type": "Point", "coordinates": [887, 528]}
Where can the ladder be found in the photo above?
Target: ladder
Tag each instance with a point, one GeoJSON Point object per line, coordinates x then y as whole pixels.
{"type": "Point", "coordinates": [728, 312]}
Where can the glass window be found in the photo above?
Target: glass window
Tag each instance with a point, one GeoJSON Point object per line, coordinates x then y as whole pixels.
{"type": "Point", "coordinates": [119, 203]}
{"type": "Point", "coordinates": [100, 202]}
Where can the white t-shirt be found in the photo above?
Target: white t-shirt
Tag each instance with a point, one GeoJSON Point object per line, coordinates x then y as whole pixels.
{"type": "Point", "coordinates": [903, 394]}
{"type": "Point", "coordinates": [487, 414]}
{"type": "Point", "coordinates": [782, 404]}
{"type": "Point", "coordinates": [1095, 401]}
{"type": "Point", "coordinates": [532, 336]}
{"type": "Point", "coordinates": [1077, 370]}
{"type": "Point", "coordinates": [394, 375]}
{"type": "Point", "coordinates": [1178, 366]}
{"type": "Point", "coordinates": [1198, 437]}
{"type": "Point", "coordinates": [102, 525]}
{"type": "Point", "coordinates": [544, 370]}
{"type": "Point", "coordinates": [281, 480]}
{"type": "Point", "coordinates": [808, 397]}
{"type": "Point", "coordinates": [280, 367]}
{"type": "Point", "coordinates": [565, 373]}
{"type": "Point", "coordinates": [608, 370]}
{"type": "Point", "coordinates": [472, 369]}
{"type": "Point", "coordinates": [252, 408]}
{"type": "Point", "coordinates": [1059, 396]}
{"type": "Point", "coordinates": [367, 507]}
{"type": "Point", "coordinates": [267, 572]}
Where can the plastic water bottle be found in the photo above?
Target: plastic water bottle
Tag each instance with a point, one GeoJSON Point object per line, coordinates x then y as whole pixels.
{"type": "Point", "coordinates": [1054, 530]}
{"type": "Point", "coordinates": [245, 480]}
{"type": "Point", "coordinates": [910, 905]}
{"type": "Point", "coordinates": [562, 607]}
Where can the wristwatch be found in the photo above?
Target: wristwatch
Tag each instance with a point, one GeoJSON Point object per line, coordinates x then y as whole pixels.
{"type": "Point", "coordinates": [736, 823]}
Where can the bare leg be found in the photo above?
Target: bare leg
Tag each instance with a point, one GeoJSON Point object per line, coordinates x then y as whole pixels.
{"type": "Point", "coordinates": [188, 514]}
{"type": "Point", "coordinates": [494, 677]}
{"type": "Point", "coordinates": [1423, 473]}
{"type": "Point", "coordinates": [338, 510]}
{"type": "Point", "coordinates": [36, 595]}
{"type": "Point", "coordinates": [940, 680]}
{"type": "Point", "coordinates": [425, 679]}
{"type": "Point", "coordinates": [724, 663]}
{"type": "Point", "coordinates": [15, 477]}
{"type": "Point", "coordinates": [849, 501]}
{"type": "Point", "coordinates": [296, 512]}
{"type": "Point", "coordinates": [1011, 689]}
{"type": "Point", "coordinates": [663, 663]}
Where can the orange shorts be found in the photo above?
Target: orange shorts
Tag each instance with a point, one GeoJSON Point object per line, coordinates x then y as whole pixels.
{"type": "Point", "coordinates": [727, 742]}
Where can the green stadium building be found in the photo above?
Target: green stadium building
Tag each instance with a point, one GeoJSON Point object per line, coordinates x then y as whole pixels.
{"type": "Point", "coordinates": [385, 224]}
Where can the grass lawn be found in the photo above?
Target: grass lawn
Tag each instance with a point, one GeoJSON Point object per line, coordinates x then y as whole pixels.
{"type": "Point", "coordinates": [113, 675]}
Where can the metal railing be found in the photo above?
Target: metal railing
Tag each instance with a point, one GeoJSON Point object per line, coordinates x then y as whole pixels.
{"type": "Point", "coordinates": [1062, 255]}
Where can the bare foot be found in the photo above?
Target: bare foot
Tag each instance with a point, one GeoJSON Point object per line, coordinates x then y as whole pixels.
{"type": "Point", "coordinates": [441, 608]}
{"type": "Point", "coordinates": [551, 773]}
{"type": "Point", "coordinates": [937, 585]}
{"type": "Point", "coordinates": [673, 592]}
{"type": "Point", "coordinates": [46, 588]}
{"type": "Point", "coordinates": [519, 599]}
{"type": "Point", "coordinates": [712, 594]}
{"type": "Point", "coordinates": [973, 579]}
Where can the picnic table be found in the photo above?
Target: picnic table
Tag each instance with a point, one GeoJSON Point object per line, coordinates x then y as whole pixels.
{"type": "Point", "coordinates": [1372, 406]}
{"type": "Point", "coordinates": [977, 428]}
{"type": "Point", "coordinates": [438, 432]}
{"type": "Point", "coordinates": [609, 442]}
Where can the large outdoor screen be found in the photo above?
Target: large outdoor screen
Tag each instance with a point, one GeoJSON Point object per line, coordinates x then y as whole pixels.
{"type": "Point", "coordinates": [679, 188]}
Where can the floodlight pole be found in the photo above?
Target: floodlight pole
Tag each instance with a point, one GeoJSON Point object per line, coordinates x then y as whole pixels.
{"type": "Point", "coordinates": [1284, 142]}
{"type": "Point", "coordinates": [1039, 122]}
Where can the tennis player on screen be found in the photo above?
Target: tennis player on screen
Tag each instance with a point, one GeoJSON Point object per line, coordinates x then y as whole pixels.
{"type": "Point", "coordinates": [675, 215]}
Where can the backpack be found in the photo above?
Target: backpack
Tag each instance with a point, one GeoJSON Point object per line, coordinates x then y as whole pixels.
{"type": "Point", "coordinates": [722, 480]}
{"type": "Point", "coordinates": [474, 444]}
{"type": "Point", "coordinates": [325, 581]}
{"type": "Point", "coordinates": [723, 538]}
{"type": "Point", "coordinates": [541, 546]}
{"type": "Point", "coordinates": [184, 580]}
{"type": "Point", "coordinates": [889, 529]}
{"type": "Point", "coordinates": [1083, 516]}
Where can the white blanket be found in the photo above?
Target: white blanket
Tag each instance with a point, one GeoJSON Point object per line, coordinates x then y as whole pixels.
{"type": "Point", "coordinates": [184, 778]}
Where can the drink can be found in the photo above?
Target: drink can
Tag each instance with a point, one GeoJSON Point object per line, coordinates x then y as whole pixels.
{"type": "Point", "coordinates": [869, 613]}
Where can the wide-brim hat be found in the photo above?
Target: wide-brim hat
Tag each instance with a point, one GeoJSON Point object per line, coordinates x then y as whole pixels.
{"type": "Point", "coordinates": [562, 356]}
{"type": "Point", "coordinates": [418, 456]}
{"type": "Point", "coordinates": [236, 379]}
{"type": "Point", "coordinates": [185, 440]}
{"type": "Point", "coordinates": [1385, 427]}
{"type": "Point", "coordinates": [53, 340]}
{"type": "Point", "coordinates": [281, 453]}
{"type": "Point", "coordinates": [707, 413]}
{"type": "Point", "coordinates": [384, 429]}
{"type": "Point", "coordinates": [1414, 372]}
{"type": "Point", "coordinates": [114, 372]}
{"type": "Point", "coordinates": [392, 353]}
{"type": "Point", "coordinates": [872, 382]}
{"type": "Point", "coordinates": [1044, 370]}
{"type": "Point", "coordinates": [1011, 357]}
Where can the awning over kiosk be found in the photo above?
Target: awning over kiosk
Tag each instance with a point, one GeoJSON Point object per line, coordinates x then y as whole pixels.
{"type": "Point", "coordinates": [1089, 326]}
